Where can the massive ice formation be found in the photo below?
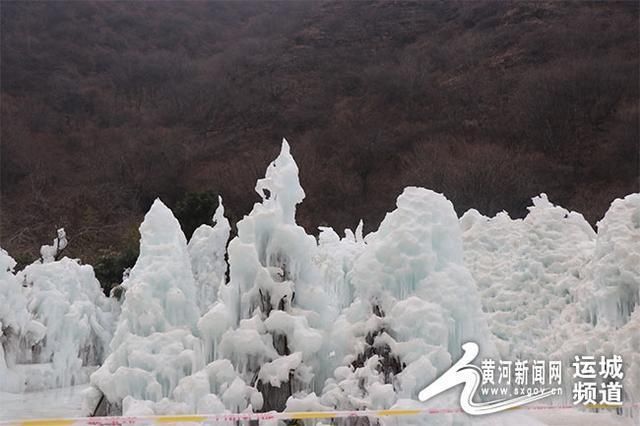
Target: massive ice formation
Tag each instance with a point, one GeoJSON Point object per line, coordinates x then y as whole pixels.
{"type": "Point", "coordinates": [334, 258]}
{"type": "Point", "coordinates": [257, 345]}
{"type": "Point", "coordinates": [415, 304]}
{"type": "Point", "coordinates": [553, 289]}
{"type": "Point", "coordinates": [55, 323]}
{"type": "Point", "coordinates": [67, 298]}
{"type": "Point", "coordinates": [616, 275]}
{"type": "Point", "coordinates": [207, 249]}
{"type": "Point", "coordinates": [154, 346]}
{"type": "Point", "coordinates": [338, 323]}
{"type": "Point", "coordinates": [160, 290]}
{"type": "Point", "coordinates": [275, 299]}
{"type": "Point", "coordinates": [526, 269]}
{"type": "Point", "coordinates": [605, 319]}
{"type": "Point", "coordinates": [616, 264]}
{"type": "Point", "coordinates": [18, 331]}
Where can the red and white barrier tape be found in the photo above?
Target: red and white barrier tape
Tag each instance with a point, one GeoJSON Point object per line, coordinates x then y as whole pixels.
{"type": "Point", "coordinates": [301, 415]}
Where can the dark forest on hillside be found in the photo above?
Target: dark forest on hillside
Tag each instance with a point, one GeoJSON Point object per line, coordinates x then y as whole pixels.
{"type": "Point", "coordinates": [106, 105]}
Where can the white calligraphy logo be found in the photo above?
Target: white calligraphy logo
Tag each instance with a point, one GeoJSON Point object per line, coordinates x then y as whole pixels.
{"type": "Point", "coordinates": [464, 372]}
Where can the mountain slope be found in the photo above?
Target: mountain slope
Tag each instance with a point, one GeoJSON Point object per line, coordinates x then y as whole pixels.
{"type": "Point", "coordinates": [106, 105]}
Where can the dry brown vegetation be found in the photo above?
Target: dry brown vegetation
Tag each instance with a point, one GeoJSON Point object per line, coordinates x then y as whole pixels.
{"type": "Point", "coordinates": [107, 105]}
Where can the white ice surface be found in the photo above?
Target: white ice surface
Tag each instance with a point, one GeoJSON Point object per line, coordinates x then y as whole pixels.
{"type": "Point", "coordinates": [51, 403]}
{"type": "Point", "coordinates": [207, 248]}
{"type": "Point", "coordinates": [54, 323]}
{"type": "Point", "coordinates": [153, 347]}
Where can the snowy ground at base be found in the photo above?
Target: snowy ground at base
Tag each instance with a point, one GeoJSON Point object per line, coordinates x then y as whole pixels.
{"type": "Point", "coordinates": [580, 418]}
{"type": "Point", "coordinates": [550, 418]}
{"type": "Point", "coordinates": [51, 403]}
{"type": "Point", "coordinates": [67, 403]}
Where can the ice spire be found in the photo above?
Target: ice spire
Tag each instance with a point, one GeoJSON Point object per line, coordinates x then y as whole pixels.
{"type": "Point", "coordinates": [153, 347]}
{"type": "Point", "coordinates": [281, 186]}
{"type": "Point", "coordinates": [207, 249]}
{"type": "Point", "coordinates": [273, 296]}
{"type": "Point", "coordinates": [161, 291]}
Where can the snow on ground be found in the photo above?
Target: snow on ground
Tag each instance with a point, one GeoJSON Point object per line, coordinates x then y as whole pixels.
{"type": "Point", "coordinates": [51, 403]}
{"type": "Point", "coordinates": [67, 403]}
{"type": "Point", "coordinates": [579, 418]}
{"type": "Point", "coordinates": [543, 418]}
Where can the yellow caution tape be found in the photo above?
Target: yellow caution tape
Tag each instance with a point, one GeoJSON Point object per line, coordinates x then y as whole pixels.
{"type": "Point", "coordinates": [300, 415]}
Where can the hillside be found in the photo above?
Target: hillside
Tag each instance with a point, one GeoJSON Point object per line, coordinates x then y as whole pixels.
{"type": "Point", "coordinates": [107, 105]}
